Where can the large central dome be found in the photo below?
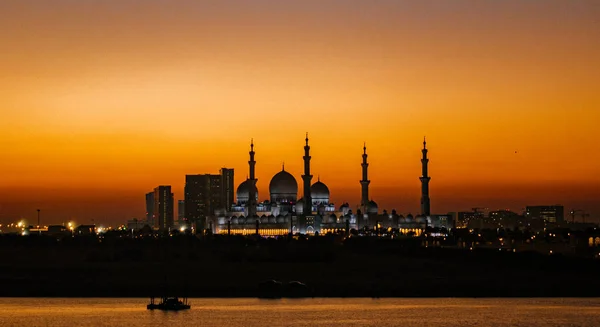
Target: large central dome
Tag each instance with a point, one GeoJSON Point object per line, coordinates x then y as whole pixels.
{"type": "Point", "coordinates": [283, 187]}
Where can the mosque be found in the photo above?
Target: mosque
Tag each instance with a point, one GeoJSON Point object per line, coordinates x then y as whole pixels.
{"type": "Point", "coordinates": [283, 212]}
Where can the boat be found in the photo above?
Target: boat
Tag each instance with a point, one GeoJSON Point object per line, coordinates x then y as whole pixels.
{"type": "Point", "coordinates": [169, 304]}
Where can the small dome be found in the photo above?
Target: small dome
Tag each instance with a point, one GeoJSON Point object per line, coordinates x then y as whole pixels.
{"type": "Point", "coordinates": [372, 207]}
{"type": "Point", "coordinates": [319, 192]}
{"type": "Point", "coordinates": [283, 187]}
{"type": "Point", "coordinates": [243, 192]}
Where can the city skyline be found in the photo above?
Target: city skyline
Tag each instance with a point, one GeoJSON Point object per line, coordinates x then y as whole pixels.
{"type": "Point", "coordinates": [102, 103]}
{"type": "Point", "coordinates": [263, 190]}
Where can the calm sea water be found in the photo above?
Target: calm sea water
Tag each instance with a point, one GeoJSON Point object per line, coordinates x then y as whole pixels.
{"type": "Point", "coordinates": [305, 312]}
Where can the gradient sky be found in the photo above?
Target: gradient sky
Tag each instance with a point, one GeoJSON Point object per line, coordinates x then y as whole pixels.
{"type": "Point", "coordinates": [101, 101]}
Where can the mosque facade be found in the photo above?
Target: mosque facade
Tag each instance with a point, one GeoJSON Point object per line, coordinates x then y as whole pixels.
{"type": "Point", "coordinates": [283, 212]}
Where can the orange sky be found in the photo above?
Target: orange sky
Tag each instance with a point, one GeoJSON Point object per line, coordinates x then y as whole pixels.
{"type": "Point", "coordinates": [102, 101]}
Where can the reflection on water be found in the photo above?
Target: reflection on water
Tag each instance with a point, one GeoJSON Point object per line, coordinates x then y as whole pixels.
{"type": "Point", "coordinates": [304, 312]}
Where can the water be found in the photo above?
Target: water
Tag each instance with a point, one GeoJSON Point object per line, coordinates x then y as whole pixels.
{"type": "Point", "coordinates": [304, 312]}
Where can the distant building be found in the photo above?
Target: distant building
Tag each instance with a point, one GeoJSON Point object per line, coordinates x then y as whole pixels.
{"type": "Point", "coordinates": [181, 213]}
{"type": "Point", "coordinates": [441, 221]}
{"type": "Point", "coordinates": [227, 187]}
{"type": "Point", "coordinates": [469, 218]}
{"type": "Point", "coordinates": [85, 230]}
{"type": "Point", "coordinates": [135, 224]}
{"type": "Point", "coordinates": [58, 230]}
{"type": "Point", "coordinates": [503, 214]}
{"type": "Point", "coordinates": [207, 194]}
{"type": "Point", "coordinates": [549, 213]}
{"type": "Point", "coordinates": [150, 208]}
{"type": "Point", "coordinates": [202, 198]}
{"type": "Point", "coordinates": [507, 219]}
{"type": "Point", "coordinates": [163, 207]}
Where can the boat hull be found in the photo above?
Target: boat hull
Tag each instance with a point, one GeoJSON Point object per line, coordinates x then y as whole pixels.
{"type": "Point", "coordinates": [167, 307]}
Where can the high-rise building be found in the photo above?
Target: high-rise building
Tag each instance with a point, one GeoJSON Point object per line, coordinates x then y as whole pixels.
{"type": "Point", "coordinates": [150, 208]}
{"type": "Point", "coordinates": [550, 213]}
{"type": "Point", "coordinates": [181, 212]}
{"type": "Point", "coordinates": [227, 187]}
{"type": "Point", "coordinates": [163, 207]}
{"type": "Point", "coordinates": [205, 194]}
{"type": "Point", "coordinates": [202, 198]}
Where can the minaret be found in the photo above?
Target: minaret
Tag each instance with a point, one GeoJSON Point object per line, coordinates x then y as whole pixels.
{"type": "Point", "coordinates": [252, 192]}
{"type": "Point", "coordinates": [307, 177]}
{"type": "Point", "coordinates": [425, 207]}
{"type": "Point", "coordinates": [364, 199]}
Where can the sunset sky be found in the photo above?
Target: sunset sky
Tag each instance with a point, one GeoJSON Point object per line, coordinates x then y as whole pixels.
{"type": "Point", "coordinates": [101, 101]}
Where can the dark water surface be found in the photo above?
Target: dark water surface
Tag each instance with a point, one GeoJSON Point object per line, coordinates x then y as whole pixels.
{"type": "Point", "coordinates": [304, 312]}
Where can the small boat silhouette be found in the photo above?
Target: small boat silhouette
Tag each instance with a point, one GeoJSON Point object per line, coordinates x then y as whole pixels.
{"type": "Point", "coordinates": [169, 304]}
